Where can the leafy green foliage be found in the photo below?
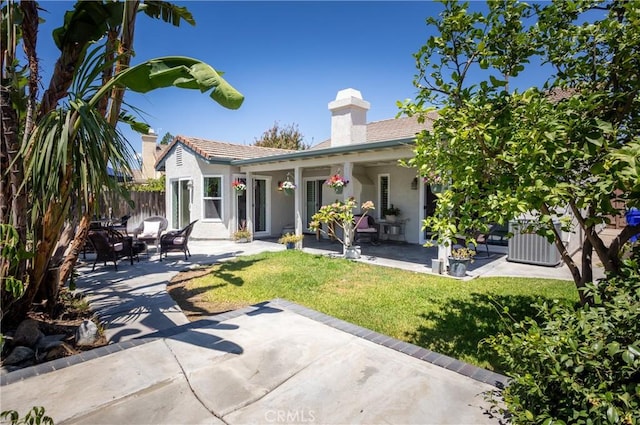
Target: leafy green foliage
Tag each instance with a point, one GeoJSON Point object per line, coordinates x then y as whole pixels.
{"type": "Point", "coordinates": [12, 252]}
{"type": "Point", "coordinates": [287, 137]}
{"type": "Point", "coordinates": [71, 149]}
{"type": "Point", "coordinates": [182, 72]}
{"type": "Point", "coordinates": [166, 139]}
{"type": "Point", "coordinates": [151, 185]}
{"type": "Point", "coordinates": [167, 11]}
{"type": "Point", "coordinates": [35, 416]}
{"type": "Point", "coordinates": [577, 366]}
{"type": "Point", "coordinates": [570, 146]}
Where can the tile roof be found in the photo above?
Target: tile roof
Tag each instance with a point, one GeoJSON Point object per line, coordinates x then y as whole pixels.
{"type": "Point", "coordinates": [210, 149]}
{"type": "Point", "coordinates": [378, 131]}
{"type": "Point", "coordinates": [392, 129]}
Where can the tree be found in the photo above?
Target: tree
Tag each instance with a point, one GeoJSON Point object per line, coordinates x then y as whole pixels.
{"type": "Point", "coordinates": [288, 137]}
{"type": "Point", "coordinates": [166, 139]}
{"type": "Point", "coordinates": [69, 137]}
{"type": "Point", "coordinates": [571, 145]}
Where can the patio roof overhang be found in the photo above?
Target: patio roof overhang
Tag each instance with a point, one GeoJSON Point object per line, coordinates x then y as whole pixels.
{"type": "Point", "coordinates": [363, 152]}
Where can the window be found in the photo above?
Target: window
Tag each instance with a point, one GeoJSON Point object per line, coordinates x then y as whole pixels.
{"type": "Point", "coordinates": [212, 198]}
{"type": "Point", "coordinates": [383, 194]}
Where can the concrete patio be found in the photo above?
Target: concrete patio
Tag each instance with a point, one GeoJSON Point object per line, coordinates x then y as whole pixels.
{"type": "Point", "coordinates": [276, 362]}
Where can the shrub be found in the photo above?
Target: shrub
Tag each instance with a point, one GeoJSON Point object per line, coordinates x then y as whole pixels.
{"type": "Point", "coordinates": [290, 238]}
{"type": "Point", "coordinates": [34, 416]}
{"type": "Point", "coordinates": [579, 366]}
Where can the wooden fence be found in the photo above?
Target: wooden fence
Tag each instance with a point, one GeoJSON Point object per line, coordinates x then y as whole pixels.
{"type": "Point", "coordinates": [145, 204]}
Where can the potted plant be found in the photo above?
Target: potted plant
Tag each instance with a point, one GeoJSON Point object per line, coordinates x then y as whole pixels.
{"type": "Point", "coordinates": [239, 186]}
{"type": "Point", "coordinates": [340, 214]}
{"type": "Point", "coordinates": [435, 181]}
{"type": "Point", "coordinates": [459, 259]}
{"type": "Point", "coordinates": [391, 213]}
{"type": "Point", "coordinates": [287, 187]}
{"type": "Point", "coordinates": [242, 235]}
{"type": "Point", "coordinates": [290, 240]}
{"type": "Point", "coordinates": [336, 182]}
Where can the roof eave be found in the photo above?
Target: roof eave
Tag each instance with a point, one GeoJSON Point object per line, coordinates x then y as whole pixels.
{"type": "Point", "coordinates": [326, 151]}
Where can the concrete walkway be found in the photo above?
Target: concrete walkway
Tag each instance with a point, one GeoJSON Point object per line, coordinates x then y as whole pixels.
{"type": "Point", "coordinates": [276, 362]}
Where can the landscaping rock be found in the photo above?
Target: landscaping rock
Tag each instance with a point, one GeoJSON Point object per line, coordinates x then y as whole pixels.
{"type": "Point", "coordinates": [62, 350]}
{"type": "Point", "coordinates": [19, 355]}
{"type": "Point", "coordinates": [49, 341]}
{"type": "Point", "coordinates": [27, 334]}
{"type": "Point", "coordinates": [87, 333]}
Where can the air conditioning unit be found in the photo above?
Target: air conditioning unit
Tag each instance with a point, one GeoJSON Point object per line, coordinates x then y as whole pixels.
{"type": "Point", "coordinates": [530, 248]}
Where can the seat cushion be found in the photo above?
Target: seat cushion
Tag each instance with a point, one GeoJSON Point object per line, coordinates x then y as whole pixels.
{"type": "Point", "coordinates": [367, 230]}
{"type": "Point", "coordinates": [363, 224]}
{"type": "Point", "coordinates": [179, 240]}
{"type": "Point", "coordinates": [150, 229]}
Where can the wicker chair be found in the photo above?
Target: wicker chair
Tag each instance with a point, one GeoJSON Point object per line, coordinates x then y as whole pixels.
{"type": "Point", "coordinates": [177, 240]}
{"type": "Point", "coordinates": [366, 228]}
{"type": "Point", "coordinates": [150, 230]}
{"type": "Point", "coordinates": [110, 245]}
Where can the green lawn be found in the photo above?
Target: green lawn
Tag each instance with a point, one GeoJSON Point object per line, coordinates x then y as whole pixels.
{"type": "Point", "coordinates": [439, 313]}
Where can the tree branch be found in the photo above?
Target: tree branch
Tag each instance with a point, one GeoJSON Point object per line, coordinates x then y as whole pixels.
{"type": "Point", "coordinates": [594, 239]}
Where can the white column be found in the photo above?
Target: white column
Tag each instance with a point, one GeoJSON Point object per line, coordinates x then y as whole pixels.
{"type": "Point", "coordinates": [348, 191]}
{"type": "Point", "coordinates": [298, 203]}
{"type": "Point", "coordinates": [249, 200]}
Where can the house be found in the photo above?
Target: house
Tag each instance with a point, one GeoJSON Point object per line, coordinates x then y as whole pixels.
{"type": "Point", "coordinates": [200, 174]}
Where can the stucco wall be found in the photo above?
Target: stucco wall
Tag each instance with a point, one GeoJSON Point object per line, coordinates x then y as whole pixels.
{"type": "Point", "coordinates": [195, 169]}
{"type": "Point", "coordinates": [401, 196]}
{"type": "Point", "coordinates": [282, 206]}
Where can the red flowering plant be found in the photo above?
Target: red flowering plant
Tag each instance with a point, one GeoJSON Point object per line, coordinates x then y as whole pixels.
{"type": "Point", "coordinates": [239, 185]}
{"type": "Point", "coordinates": [336, 181]}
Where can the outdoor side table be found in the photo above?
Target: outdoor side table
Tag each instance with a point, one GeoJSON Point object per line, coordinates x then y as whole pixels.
{"type": "Point", "coordinates": [393, 231]}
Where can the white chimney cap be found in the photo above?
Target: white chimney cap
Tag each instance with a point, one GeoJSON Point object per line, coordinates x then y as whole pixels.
{"type": "Point", "coordinates": [348, 94]}
{"type": "Point", "coordinates": [349, 98]}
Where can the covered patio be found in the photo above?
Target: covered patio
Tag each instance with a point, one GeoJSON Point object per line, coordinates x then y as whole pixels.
{"type": "Point", "coordinates": [417, 258]}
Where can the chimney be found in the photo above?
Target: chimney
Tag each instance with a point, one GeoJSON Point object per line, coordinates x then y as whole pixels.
{"type": "Point", "coordinates": [348, 118]}
{"type": "Point", "coordinates": [149, 155]}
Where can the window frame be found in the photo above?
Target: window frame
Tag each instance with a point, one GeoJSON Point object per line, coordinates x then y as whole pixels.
{"type": "Point", "coordinates": [212, 198]}
{"type": "Point", "coordinates": [381, 207]}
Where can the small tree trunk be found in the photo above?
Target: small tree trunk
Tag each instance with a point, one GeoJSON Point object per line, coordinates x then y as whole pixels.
{"type": "Point", "coordinates": [587, 270]}
{"type": "Point", "coordinates": [77, 245]}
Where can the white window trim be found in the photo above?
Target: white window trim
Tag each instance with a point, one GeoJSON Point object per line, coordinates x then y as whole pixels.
{"type": "Point", "coordinates": [379, 206]}
{"type": "Point", "coordinates": [205, 198]}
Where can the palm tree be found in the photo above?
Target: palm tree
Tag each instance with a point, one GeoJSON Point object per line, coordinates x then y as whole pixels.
{"type": "Point", "coordinates": [71, 138]}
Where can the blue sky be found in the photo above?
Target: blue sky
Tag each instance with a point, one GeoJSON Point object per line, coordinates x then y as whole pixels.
{"type": "Point", "coordinates": [289, 59]}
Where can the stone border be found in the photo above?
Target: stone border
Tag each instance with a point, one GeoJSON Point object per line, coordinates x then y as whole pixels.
{"type": "Point", "coordinates": [465, 369]}
{"type": "Point", "coordinates": [483, 375]}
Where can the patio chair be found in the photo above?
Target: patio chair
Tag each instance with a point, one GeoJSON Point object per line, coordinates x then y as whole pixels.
{"type": "Point", "coordinates": [176, 240]}
{"type": "Point", "coordinates": [150, 230]}
{"type": "Point", "coordinates": [121, 225]}
{"type": "Point", "coordinates": [367, 228]}
{"type": "Point", "coordinates": [110, 245]}
{"type": "Point", "coordinates": [496, 235]}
